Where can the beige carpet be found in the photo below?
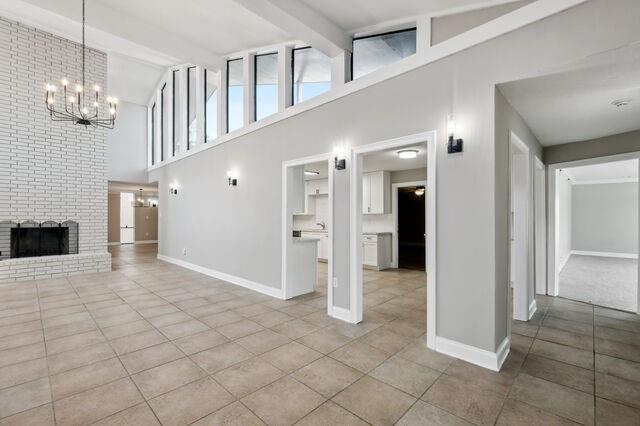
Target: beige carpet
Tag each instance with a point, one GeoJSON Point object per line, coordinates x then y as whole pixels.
{"type": "Point", "coordinates": [603, 281]}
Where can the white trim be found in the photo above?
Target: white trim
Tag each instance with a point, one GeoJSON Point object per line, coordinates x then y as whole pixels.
{"type": "Point", "coordinates": [605, 254]}
{"type": "Point", "coordinates": [540, 226]}
{"type": "Point", "coordinates": [328, 157]}
{"type": "Point", "coordinates": [519, 18]}
{"type": "Point", "coordinates": [481, 357]}
{"type": "Point", "coordinates": [116, 243]}
{"type": "Point", "coordinates": [533, 307]}
{"type": "Point", "coordinates": [146, 242]}
{"type": "Point", "coordinates": [394, 212]}
{"type": "Point", "coordinates": [356, 293]}
{"type": "Point", "coordinates": [341, 314]}
{"type": "Point", "coordinates": [603, 181]}
{"type": "Point", "coordinates": [562, 264]}
{"type": "Point", "coordinates": [522, 281]}
{"type": "Point", "coordinates": [242, 282]}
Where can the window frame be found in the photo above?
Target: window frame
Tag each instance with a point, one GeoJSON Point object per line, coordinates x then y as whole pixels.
{"type": "Point", "coordinates": [255, 84]}
{"type": "Point", "coordinates": [293, 72]}
{"type": "Point", "coordinates": [173, 111]}
{"type": "Point", "coordinates": [227, 93]}
{"type": "Point", "coordinates": [354, 39]}
{"type": "Point", "coordinates": [162, 135]}
{"type": "Point", "coordinates": [153, 134]}
{"type": "Point", "coordinates": [189, 102]}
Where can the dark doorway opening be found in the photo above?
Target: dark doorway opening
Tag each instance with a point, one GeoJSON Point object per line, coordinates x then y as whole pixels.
{"type": "Point", "coordinates": [411, 227]}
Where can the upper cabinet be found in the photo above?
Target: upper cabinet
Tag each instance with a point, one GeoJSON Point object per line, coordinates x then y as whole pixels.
{"type": "Point", "coordinates": [376, 193]}
{"type": "Point", "coordinates": [317, 187]}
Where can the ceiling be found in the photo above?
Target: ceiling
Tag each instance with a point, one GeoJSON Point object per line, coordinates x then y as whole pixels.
{"type": "Point", "coordinates": [627, 169]}
{"type": "Point", "coordinates": [150, 189]}
{"type": "Point", "coordinates": [389, 161]}
{"type": "Point", "coordinates": [576, 104]}
{"type": "Point", "coordinates": [357, 15]}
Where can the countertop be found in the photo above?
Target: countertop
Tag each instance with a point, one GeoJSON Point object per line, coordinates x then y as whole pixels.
{"type": "Point", "coordinates": [305, 240]}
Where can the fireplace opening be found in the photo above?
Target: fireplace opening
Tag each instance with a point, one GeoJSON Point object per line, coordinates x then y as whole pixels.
{"type": "Point", "coordinates": [33, 239]}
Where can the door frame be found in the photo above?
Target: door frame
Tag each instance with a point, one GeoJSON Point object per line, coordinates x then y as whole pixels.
{"type": "Point", "coordinates": [394, 211]}
{"type": "Point", "coordinates": [356, 296]}
{"type": "Point", "coordinates": [540, 225]}
{"type": "Point", "coordinates": [287, 233]}
{"type": "Point", "coordinates": [553, 273]}
{"type": "Point", "coordinates": [523, 308]}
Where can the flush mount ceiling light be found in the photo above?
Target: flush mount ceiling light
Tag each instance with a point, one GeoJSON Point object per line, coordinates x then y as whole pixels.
{"type": "Point", "coordinates": [619, 103]}
{"type": "Point", "coordinates": [419, 192]}
{"type": "Point", "coordinates": [74, 107]}
{"type": "Point", "coordinates": [311, 173]}
{"type": "Point", "coordinates": [406, 154]}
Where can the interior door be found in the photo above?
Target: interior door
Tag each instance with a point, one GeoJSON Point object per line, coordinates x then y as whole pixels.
{"type": "Point", "coordinates": [127, 226]}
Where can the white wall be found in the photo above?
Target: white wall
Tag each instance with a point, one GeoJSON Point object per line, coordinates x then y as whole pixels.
{"type": "Point", "coordinates": [127, 144]}
{"type": "Point", "coordinates": [564, 200]}
{"type": "Point", "coordinates": [50, 170]}
{"type": "Point", "coordinates": [605, 218]}
{"type": "Point", "coordinates": [237, 230]}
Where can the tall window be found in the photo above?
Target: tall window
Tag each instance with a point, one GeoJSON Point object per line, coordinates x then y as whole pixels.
{"type": "Point", "coordinates": [235, 95]}
{"type": "Point", "coordinates": [266, 85]}
{"type": "Point", "coordinates": [176, 110]}
{"type": "Point", "coordinates": [192, 122]}
{"type": "Point", "coordinates": [164, 119]}
{"type": "Point", "coordinates": [373, 52]}
{"type": "Point", "coordinates": [153, 134]}
{"type": "Point", "coordinates": [311, 73]}
{"type": "Point", "coordinates": [210, 106]}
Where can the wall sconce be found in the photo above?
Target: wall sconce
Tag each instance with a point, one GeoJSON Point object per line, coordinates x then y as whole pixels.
{"type": "Point", "coordinates": [453, 145]}
{"type": "Point", "coordinates": [173, 189]}
{"type": "Point", "coordinates": [232, 178]}
{"type": "Point", "coordinates": [339, 161]}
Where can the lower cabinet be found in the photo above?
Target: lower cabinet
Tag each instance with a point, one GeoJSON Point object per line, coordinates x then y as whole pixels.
{"type": "Point", "coordinates": [323, 243]}
{"type": "Point", "coordinates": [376, 251]}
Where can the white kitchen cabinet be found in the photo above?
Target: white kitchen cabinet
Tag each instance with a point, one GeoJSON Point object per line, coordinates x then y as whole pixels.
{"type": "Point", "coordinates": [376, 251]}
{"type": "Point", "coordinates": [318, 187]}
{"type": "Point", "coordinates": [376, 193]}
{"type": "Point", "coordinates": [323, 243]}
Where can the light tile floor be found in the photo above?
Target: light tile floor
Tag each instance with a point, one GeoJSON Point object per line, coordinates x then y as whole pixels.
{"type": "Point", "coordinates": [154, 343]}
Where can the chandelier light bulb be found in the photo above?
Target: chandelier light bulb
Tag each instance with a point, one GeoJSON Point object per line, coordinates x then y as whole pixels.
{"type": "Point", "coordinates": [76, 110]}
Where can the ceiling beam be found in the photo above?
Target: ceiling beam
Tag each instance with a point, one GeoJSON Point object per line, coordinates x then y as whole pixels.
{"type": "Point", "coordinates": [103, 23]}
{"type": "Point", "coordinates": [302, 23]}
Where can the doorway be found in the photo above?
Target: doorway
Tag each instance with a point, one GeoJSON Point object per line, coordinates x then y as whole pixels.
{"type": "Point", "coordinates": [594, 215]}
{"type": "Point", "coordinates": [409, 242]}
{"type": "Point", "coordinates": [361, 214]}
{"type": "Point", "coordinates": [127, 221]}
{"type": "Point", "coordinates": [307, 240]}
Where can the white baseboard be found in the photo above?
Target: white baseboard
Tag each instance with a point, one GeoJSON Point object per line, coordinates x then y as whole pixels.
{"type": "Point", "coordinates": [605, 254]}
{"type": "Point", "coordinates": [242, 282]}
{"type": "Point", "coordinates": [146, 242]}
{"type": "Point", "coordinates": [532, 308]}
{"type": "Point", "coordinates": [340, 313]}
{"type": "Point", "coordinates": [481, 357]}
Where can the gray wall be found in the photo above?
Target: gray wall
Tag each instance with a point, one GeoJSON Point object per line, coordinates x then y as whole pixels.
{"type": "Point", "coordinates": [237, 230]}
{"type": "Point", "coordinates": [601, 147]}
{"type": "Point", "coordinates": [605, 217]}
{"type": "Point", "coordinates": [508, 120]}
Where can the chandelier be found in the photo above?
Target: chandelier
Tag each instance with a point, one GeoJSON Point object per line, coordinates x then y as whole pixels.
{"type": "Point", "coordinates": [73, 106]}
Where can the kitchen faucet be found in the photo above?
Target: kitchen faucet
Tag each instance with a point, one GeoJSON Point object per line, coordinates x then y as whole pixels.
{"type": "Point", "coordinates": [322, 224]}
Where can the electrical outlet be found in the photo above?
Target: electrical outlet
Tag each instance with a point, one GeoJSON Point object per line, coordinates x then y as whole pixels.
{"type": "Point", "coordinates": [184, 251]}
{"type": "Point", "coordinates": [335, 282]}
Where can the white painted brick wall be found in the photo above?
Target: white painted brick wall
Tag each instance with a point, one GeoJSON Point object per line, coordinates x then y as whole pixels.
{"type": "Point", "coordinates": [50, 170]}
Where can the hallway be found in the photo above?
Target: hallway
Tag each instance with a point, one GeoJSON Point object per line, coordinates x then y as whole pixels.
{"type": "Point", "coordinates": [152, 342]}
